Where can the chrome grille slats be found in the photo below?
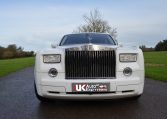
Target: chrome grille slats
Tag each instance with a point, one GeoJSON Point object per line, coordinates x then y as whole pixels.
{"type": "Point", "coordinates": [90, 64]}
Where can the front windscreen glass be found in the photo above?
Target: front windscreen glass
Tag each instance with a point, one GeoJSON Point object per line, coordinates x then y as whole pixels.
{"type": "Point", "coordinates": [87, 38]}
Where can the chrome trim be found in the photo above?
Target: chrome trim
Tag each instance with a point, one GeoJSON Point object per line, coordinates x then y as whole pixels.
{"type": "Point", "coordinates": [91, 47]}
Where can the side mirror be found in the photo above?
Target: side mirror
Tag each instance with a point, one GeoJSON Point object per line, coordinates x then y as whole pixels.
{"type": "Point", "coordinates": [54, 45]}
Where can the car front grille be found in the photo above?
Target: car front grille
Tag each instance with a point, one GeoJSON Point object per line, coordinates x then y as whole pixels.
{"type": "Point", "coordinates": [90, 64]}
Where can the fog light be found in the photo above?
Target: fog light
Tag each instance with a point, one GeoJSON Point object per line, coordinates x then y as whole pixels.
{"type": "Point", "coordinates": [127, 71]}
{"type": "Point", "coordinates": [52, 72]}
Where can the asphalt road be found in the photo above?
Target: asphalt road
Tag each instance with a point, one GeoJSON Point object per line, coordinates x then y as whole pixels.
{"type": "Point", "coordinates": [18, 101]}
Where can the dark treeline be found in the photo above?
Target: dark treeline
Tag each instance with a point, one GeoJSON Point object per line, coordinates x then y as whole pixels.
{"type": "Point", "coordinates": [160, 46]}
{"type": "Point", "coordinates": [12, 51]}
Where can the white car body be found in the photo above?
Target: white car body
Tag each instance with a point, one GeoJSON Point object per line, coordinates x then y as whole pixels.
{"type": "Point", "coordinates": [59, 87]}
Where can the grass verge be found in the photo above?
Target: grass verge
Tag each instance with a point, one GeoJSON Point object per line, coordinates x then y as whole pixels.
{"type": "Point", "coordinates": [156, 65]}
{"type": "Point", "coordinates": [13, 65]}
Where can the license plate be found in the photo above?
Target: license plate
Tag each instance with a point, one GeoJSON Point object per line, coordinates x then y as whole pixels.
{"type": "Point", "coordinates": [90, 87]}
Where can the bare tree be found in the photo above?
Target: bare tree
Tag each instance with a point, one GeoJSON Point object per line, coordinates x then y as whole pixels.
{"type": "Point", "coordinates": [95, 23]}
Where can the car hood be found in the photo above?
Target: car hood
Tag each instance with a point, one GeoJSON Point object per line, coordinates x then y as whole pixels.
{"type": "Point", "coordinates": [88, 47]}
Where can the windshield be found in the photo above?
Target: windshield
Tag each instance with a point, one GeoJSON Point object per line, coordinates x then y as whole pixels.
{"type": "Point", "coordinates": [85, 38]}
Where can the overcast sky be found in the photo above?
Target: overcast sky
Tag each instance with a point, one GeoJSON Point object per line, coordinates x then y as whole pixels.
{"type": "Point", "coordinates": [35, 24]}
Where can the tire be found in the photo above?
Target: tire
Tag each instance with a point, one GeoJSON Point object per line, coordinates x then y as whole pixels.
{"type": "Point", "coordinates": [40, 98]}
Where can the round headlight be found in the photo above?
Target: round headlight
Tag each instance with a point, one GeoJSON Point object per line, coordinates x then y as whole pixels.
{"type": "Point", "coordinates": [127, 71]}
{"type": "Point", "coordinates": [52, 72]}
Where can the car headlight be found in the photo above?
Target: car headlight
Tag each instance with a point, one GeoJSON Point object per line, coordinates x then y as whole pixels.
{"type": "Point", "coordinates": [128, 57]}
{"type": "Point", "coordinates": [53, 58]}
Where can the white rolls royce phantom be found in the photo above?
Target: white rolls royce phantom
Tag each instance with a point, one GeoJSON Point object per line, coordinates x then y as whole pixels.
{"type": "Point", "coordinates": [89, 66]}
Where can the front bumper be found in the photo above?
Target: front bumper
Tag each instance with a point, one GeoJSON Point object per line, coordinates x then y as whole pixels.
{"type": "Point", "coordinates": [62, 88]}
{"type": "Point", "coordinates": [120, 92]}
